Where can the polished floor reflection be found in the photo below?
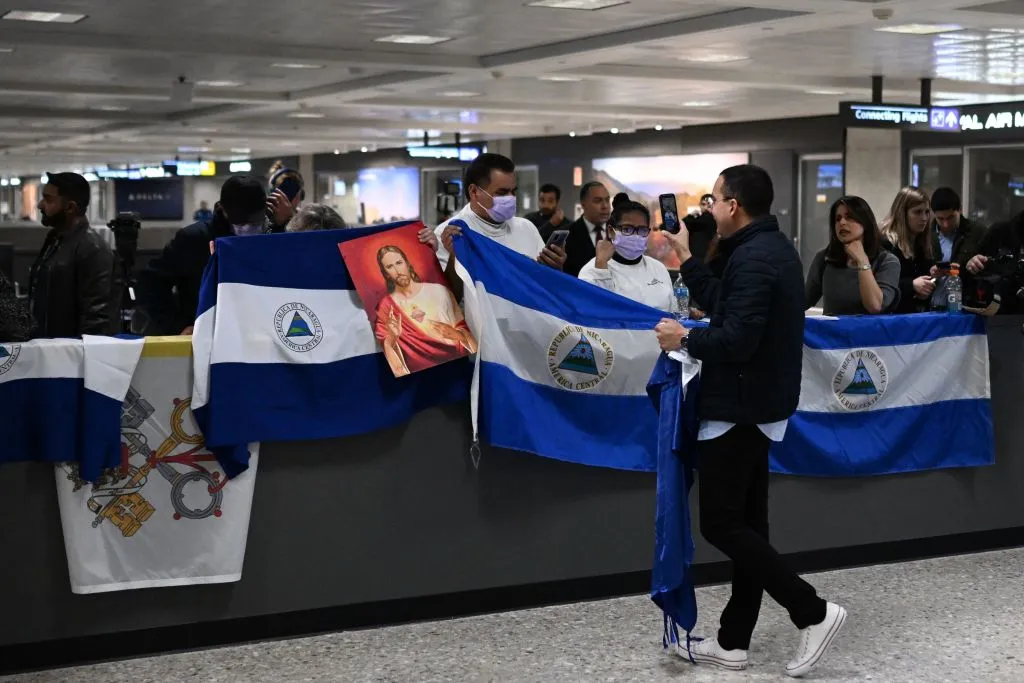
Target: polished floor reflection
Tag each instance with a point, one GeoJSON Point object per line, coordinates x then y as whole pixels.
{"type": "Point", "coordinates": [950, 619]}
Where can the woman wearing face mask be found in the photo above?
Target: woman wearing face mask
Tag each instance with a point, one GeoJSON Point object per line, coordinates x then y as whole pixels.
{"type": "Point", "coordinates": [908, 239]}
{"type": "Point", "coordinates": [621, 265]}
{"type": "Point", "coordinates": [853, 275]}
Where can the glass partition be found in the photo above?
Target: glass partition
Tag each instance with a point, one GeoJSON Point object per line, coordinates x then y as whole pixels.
{"type": "Point", "coordinates": [821, 184]}
{"type": "Point", "coordinates": [934, 168]}
{"type": "Point", "coordinates": [996, 182]}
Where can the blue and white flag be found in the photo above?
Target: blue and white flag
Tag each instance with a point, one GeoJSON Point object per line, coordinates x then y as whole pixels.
{"type": "Point", "coordinates": [62, 400]}
{"type": "Point", "coordinates": [563, 365]}
{"type": "Point", "coordinates": [284, 351]}
{"type": "Point", "coordinates": [883, 395]}
{"type": "Point", "coordinates": [673, 389]}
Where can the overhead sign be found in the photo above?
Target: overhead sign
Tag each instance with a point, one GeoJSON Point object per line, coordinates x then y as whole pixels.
{"type": "Point", "coordinates": [944, 118]}
{"type": "Point", "coordinates": [1007, 117]}
{"type": "Point", "coordinates": [440, 152]}
{"type": "Point", "coordinates": [982, 118]}
{"type": "Point", "coordinates": [886, 115]}
{"type": "Point", "coordinates": [240, 167]}
{"type": "Point", "coordinates": [193, 168]}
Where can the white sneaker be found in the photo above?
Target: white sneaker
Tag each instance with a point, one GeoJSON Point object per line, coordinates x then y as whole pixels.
{"type": "Point", "coordinates": [701, 651]}
{"type": "Point", "coordinates": [815, 641]}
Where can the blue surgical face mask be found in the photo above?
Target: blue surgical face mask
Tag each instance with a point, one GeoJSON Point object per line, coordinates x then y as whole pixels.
{"type": "Point", "coordinates": [241, 230]}
{"type": "Point", "coordinates": [630, 247]}
{"type": "Point", "coordinates": [504, 208]}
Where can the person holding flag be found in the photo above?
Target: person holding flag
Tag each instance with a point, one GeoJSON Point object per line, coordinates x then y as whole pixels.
{"type": "Point", "coordinates": [751, 361]}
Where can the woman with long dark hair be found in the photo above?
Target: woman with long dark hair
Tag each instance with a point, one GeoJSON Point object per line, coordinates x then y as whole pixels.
{"type": "Point", "coordinates": [853, 275]}
{"type": "Point", "coordinates": [908, 238]}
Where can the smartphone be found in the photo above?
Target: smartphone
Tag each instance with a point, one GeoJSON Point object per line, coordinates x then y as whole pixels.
{"type": "Point", "coordinates": [290, 187]}
{"type": "Point", "coordinates": [669, 212]}
{"type": "Point", "coordinates": [558, 238]}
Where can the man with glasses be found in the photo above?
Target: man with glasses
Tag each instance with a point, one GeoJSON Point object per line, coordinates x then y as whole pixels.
{"type": "Point", "coordinates": [620, 264]}
{"type": "Point", "coordinates": [751, 358]}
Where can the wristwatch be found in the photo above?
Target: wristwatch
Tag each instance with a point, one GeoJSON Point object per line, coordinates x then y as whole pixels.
{"type": "Point", "coordinates": [866, 266]}
{"type": "Point", "coordinates": [683, 342]}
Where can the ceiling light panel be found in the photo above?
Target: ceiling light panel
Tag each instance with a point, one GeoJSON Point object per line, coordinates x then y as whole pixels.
{"type": "Point", "coordinates": [584, 5]}
{"type": "Point", "coordinates": [44, 17]}
{"type": "Point", "coordinates": [920, 29]}
{"type": "Point", "coordinates": [295, 65]}
{"type": "Point", "coordinates": [219, 84]}
{"type": "Point", "coordinates": [713, 57]}
{"type": "Point", "coordinates": [412, 39]}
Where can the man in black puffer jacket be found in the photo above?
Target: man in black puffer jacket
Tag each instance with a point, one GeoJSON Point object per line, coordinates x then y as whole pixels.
{"type": "Point", "coordinates": [751, 357]}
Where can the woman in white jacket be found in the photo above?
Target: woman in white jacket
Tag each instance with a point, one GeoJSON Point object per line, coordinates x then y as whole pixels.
{"type": "Point", "coordinates": [621, 265]}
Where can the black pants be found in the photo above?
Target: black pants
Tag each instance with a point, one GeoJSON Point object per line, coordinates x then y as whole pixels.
{"type": "Point", "coordinates": [733, 480]}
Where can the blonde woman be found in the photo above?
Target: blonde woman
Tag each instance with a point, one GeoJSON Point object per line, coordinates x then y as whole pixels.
{"type": "Point", "coordinates": [907, 237]}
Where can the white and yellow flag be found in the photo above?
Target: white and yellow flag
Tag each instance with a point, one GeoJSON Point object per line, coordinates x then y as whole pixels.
{"type": "Point", "coordinates": [169, 516]}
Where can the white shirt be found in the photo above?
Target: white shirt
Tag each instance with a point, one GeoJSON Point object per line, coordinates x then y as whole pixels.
{"type": "Point", "coordinates": [712, 429]}
{"type": "Point", "coordinates": [517, 234]}
{"type": "Point", "coordinates": [593, 235]}
{"type": "Point", "coordinates": [646, 282]}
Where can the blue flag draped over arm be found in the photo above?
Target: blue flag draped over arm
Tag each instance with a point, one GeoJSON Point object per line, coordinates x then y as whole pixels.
{"type": "Point", "coordinates": [284, 351]}
{"type": "Point", "coordinates": [563, 365]}
{"type": "Point", "coordinates": [672, 586]}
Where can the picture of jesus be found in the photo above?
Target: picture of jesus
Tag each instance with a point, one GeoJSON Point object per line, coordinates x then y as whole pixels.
{"type": "Point", "coordinates": [419, 323]}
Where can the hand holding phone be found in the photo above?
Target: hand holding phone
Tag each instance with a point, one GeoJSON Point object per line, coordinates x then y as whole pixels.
{"type": "Point", "coordinates": [669, 212]}
{"type": "Point", "coordinates": [557, 238]}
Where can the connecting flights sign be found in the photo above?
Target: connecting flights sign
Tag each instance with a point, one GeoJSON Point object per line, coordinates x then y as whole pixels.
{"type": "Point", "coordinates": [989, 117]}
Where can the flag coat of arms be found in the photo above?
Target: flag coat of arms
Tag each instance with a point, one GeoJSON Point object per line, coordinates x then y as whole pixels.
{"type": "Point", "coordinates": [283, 349]}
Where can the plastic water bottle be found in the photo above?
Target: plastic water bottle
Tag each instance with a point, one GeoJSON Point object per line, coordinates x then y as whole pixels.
{"type": "Point", "coordinates": [682, 295]}
{"type": "Point", "coordinates": [954, 290]}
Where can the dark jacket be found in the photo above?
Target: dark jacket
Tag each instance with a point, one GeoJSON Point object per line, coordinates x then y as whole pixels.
{"type": "Point", "coordinates": [15, 320]}
{"type": "Point", "coordinates": [545, 226]}
{"type": "Point", "coordinates": [752, 352]}
{"type": "Point", "coordinates": [966, 242]}
{"type": "Point", "coordinates": [75, 285]}
{"type": "Point", "coordinates": [579, 248]}
{"type": "Point", "coordinates": [1005, 238]}
{"type": "Point", "coordinates": [702, 231]}
{"type": "Point", "coordinates": [169, 286]}
{"type": "Point", "coordinates": [910, 270]}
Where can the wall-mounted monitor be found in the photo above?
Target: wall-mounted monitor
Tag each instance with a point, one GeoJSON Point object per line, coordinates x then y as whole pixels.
{"type": "Point", "coordinates": [155, 199]}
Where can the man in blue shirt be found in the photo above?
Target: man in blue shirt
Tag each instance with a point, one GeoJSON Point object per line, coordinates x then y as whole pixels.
{"type": "Point", "coordinates": [955, 239]}
{"type": "Point", "coordinates": [203, 215]}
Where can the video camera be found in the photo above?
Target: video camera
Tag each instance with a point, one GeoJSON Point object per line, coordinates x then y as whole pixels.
{"type": "Point", "coordinates": [126, 227]}
{"type": "Point", "coordinates": [1010, 266]}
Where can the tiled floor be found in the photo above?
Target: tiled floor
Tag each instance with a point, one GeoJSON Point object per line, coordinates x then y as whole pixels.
{"type": "Point", "coordinates": [953, 619]}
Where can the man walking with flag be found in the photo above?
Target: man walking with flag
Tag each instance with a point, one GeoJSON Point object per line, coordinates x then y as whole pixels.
{"type": "Point", "coordinates": [751, 357]}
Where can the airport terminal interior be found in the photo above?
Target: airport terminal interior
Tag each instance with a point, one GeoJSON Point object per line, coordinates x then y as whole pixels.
{"type": "Point", "coordinates": [474, 532]}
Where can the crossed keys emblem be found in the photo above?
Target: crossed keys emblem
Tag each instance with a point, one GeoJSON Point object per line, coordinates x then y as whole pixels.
{"type": "Point", "coordinates": [179, 459]}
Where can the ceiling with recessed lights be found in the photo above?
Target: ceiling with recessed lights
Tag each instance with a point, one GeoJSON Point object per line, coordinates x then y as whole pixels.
{"type": "Point", "coordinates": [89, 82]}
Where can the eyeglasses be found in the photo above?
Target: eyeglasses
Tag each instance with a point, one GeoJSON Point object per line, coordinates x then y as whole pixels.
{"type": "Point", "coordinates": [641, 230]}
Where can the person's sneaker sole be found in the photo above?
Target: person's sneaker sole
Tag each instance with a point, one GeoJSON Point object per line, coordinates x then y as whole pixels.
{"type": "Point", "coordinates": [695, 658]}
{"type": "Point", "coordinates": [809, 665]}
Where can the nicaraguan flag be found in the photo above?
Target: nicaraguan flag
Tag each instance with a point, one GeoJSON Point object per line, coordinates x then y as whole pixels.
{"type": "Point", "coordinates": [563, 365]}
{"type": "Point", "coordinates": [889, 394]}
{"type": "Point", "coordinates": [283, 349]}
{"type": "Point", "coordinates": [673, 389]}
{"type": "Point", "coordinates": [62, 400]}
